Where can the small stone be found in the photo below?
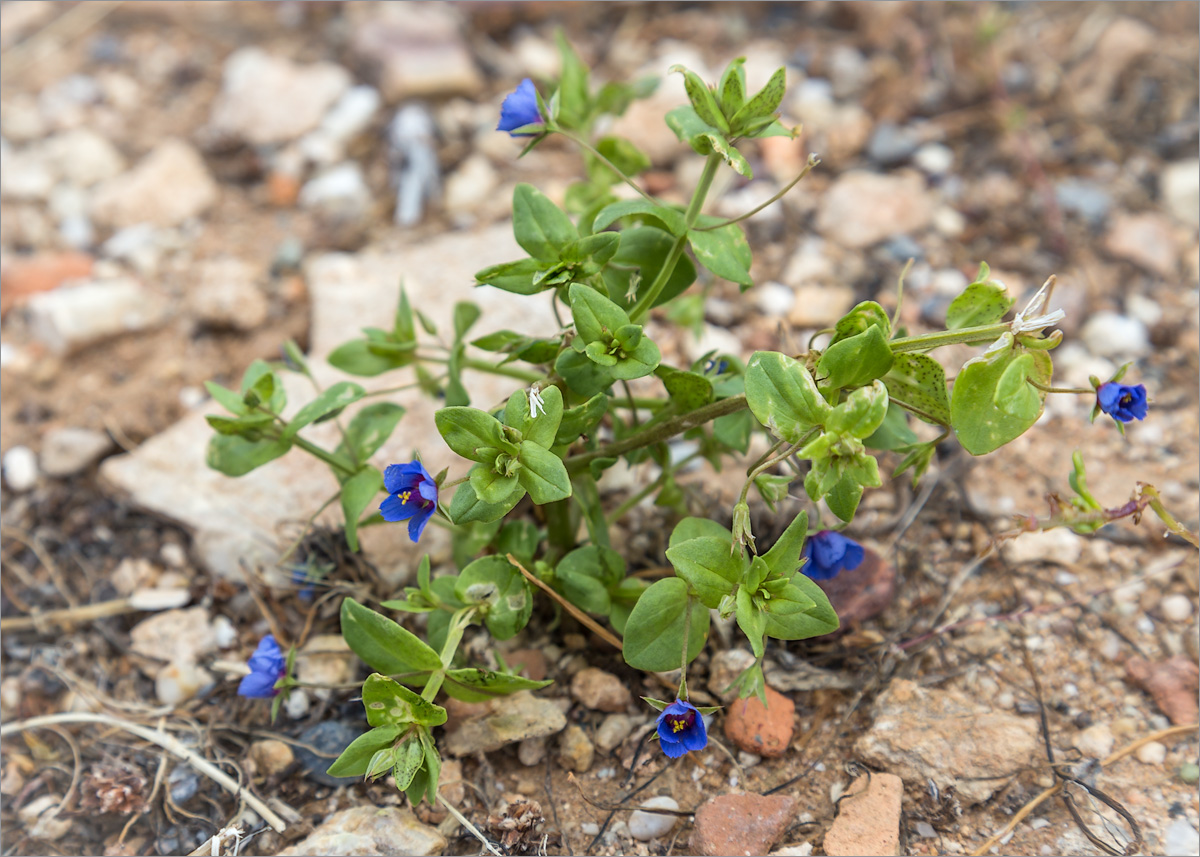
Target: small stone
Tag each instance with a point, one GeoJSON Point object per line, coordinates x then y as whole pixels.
{"type": "Point", "coordinates": [1179, 187]}
{"type": "Point", "coordinates": [1055, 546]}
{"type": "Point", "coordinates": [419, 51]}
{"type": "Point", "coordinates": [28, 275]}
{"type": "Point", "coordinates": [176, 636]}
{"type": "Point", "coordinates": [157, 598]}
{"type": "Point", "coordinates": [741, 824]}
{"type": "Point", "coordinates": [600, 691]}
{"type": "Point", "coordinates": [326, 663]}
{"type": "Point", "coordinates": [20, 469]}
{"type": "Point", "coordinates": [1173, 684]}
{"type": "Point", "coordinates": [272, 758]}
{"type": "Point", "coordinates": [1152, 753]}
{"type": "Point", "coordinates": [530, 663]}
{"type": "Point", "coordinates": [724, 668]}
{"type": "Point", "coordinates": [644, 826]}
{"type": "Point", "coordinates": [868, 819]}
{"type": "Point", "coordinates": [748, 760]}
{"type": "Point", "coordinates": [1175, 608]}
{"type": "Point", "coordinates": [168, 186]}
{"type": "Point", "coordinates": [1108, 334]}
{"type": "Point", "coordinates": [74, 316]}
{"type": "Point", "coordinates": [849, 71]}
{"type": "Point", "coordinates": [862, 593]}
{"type": "Point", "coordinates": [84, 157]}
{"type": "Point", "coordinates": [1096, 741]}
{"type": "Point", "coordinates": [925, 830]}
{"type": "Point", "coordinates": [521, 717]}
{"type": "Point", "coordinates": [1189, 772]}
{"type": "Point", "coordinates": [934, 159]}
{"type": "Point", "coordinates": [178, 682]}
{"type": "Point", "coordinates": [25, 174]}
{"type": "Point", "coordinates": [804, 849]}
{"type": "Point", "coordinates": [1181, 839]}
{"type": "Point", "coordinates": [468, 187]}
{"type": "Point", "coordinates": [863, 208]}
{"type": "Point", "coordinates": [891, 144]}
{"type": "Point", "coordinates": [774, 299]}
{"type": "Point", "coordinates": [227, 295]}
{"type": "Point", "coordinates": [1088, 200]}
{"type": "Point", "coordinates": [615, 729]}
{"type": "Point", "coordinates": [820, 306]}
{"type": "Point", "coordinates": [330, 737]}
{"type": "Point", "coordinates": [575, 749]}
{"type": "Point", "coordinates": [1144, 239]}
{"type": "Point", "coordinates": [68, 451]}
{"type": "Point", "coordinates": [370, 831]}
{"type": "Point", "coordinates": [297, 703]}
{"type": "Point", "coordinates": [531, 751]}
{"type": "Point", "coordinates": [763, 731]}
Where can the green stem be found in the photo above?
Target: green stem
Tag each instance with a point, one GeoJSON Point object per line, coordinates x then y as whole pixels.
{"type": "Point", "coordinates": [658, 433]}
{"type": "Point", "coordinates": [966, 336]}
{"type": "Point", "coordinates": [328, 457]}
{"type": "Point", "coordinates": [582, 143]}
{"type": "Point", "coordinates": [646, 301]}
{"type": "Point", "coordinates": [559, 531]}
{"type": "Point", "coordinates": [813, 161]}
{"type": "Point", "coordinates": [1084, 391]}
{"type": "Point", "coordinates": [484, 366]}
{"type": "Point", "coordinates": [458, 623]}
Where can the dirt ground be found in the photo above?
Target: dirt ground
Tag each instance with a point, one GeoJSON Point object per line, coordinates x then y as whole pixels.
{"type": "Point", "coordinates": [1028, 98]}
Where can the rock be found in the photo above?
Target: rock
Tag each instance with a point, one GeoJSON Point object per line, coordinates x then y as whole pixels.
{"type": "Point", "coordinates": [330, 737]}
{"type": "Point", "coordinates": [863, 593]}
{"type": "Point", "coordinates": [40, 818]}
{"type": "Point", "coordinates": [530, 663]}
{"type": "Point", "coordinates": [1061, 546]}
{"type": "Point", "coordinates": [890, 144]}
{"type": "Point", "coordinates": [868, 819]}
{"type": "Point", "coordinates": [820, 306]}
{"type": "Point", "coordinates": [1107, 334]}
{"type": "Point", "coordinates": [741, 824]}
{"type": "Point", "coordinates": [340, 186]}
{"type": "Point", "coordinates": [615, 729]}
{"type": "Point", "coordinates": [351, 115]}
{"type": "Point", "coordinates": [470, 185]}
{"type": "Point", "coordinates": [68, 451]}
{"type": "Point", "coordinates": [575, 749]}
{"type": "Point", "coordinates": [167, 187]}
{"type": "Point", "coordinates": [774, 299]}
{"type": "Point", "coordinates": [267, 100]}
{"type": "Point", "coordinates": [418, 50]}
{"type": "Point", "coordinates": [1144, 239]}
{"type": "Point", "coordinates": [724, 668]}
{"type": "Point", "coordinates": [25, 174]}
{"type": "Point", "coordinates": [644, 826]}
{"type": "Point", "coordinates": [942, 735]}
{"type": "Point", "coordinates": [763, 731]}
{"type": "Point", "coordinates": [20, 469]}
{"type": "Point", "coordinates": [176, 636]}
{"type": "Point", "coordinates": [326, 659]}
{"type": "Point", "coordinates": [1173, 684]}
{"type": "Point", "coordinates": [531, 751]}
{"type": "Point", "coordinates": [934, 159]}
{"type": "Point", "coordinates": [179, 681]}
{"type": "Point", "coordinates": [71, 317]}
{"type": "Point", "coordinates": [1175, 608]}
{"type": "Point", "coordinates": [1088, 200]}
{"type": "Point", "coordinates": [83, 157]}
{"type": "Point", "coordinates": [849, 71]}
{"type": "Point", "coordinates": [600, 691]}
{"type": "Point", "coordinates": [23, 276]}
{"type": "Point", "coordinates": [1152, 753]}
{"type": "Point", "coordinates": [1179, 187]}
{"type": "Point", "coordinates": [369, 831]}
{"type": "Point", "coordinates": [271, 758]}
{"type": "Point", "coordinates": [863, 208]}
{"type": "Point", "coordinates": [522, 716]}
{"type": "Point", "coordinates": [1096, 741]}
{"type": "Point", "coordinates": [1181, 839]}
{"type": "Point", "coordinates": [418, 177]}
{"type": "Point", "coordinates": [1090, 84]}
{"type": "Point", "coordinates": [227, 296]}
{"type": "Point", "coordinates": [141, 245]}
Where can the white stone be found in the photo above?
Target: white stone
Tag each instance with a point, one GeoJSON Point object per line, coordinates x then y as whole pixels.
{"type": "Point", "coordinates": [176, 636]}
{"type": "Point", "coordinates": [1177, 607]}
{"type": "Point", "coordinates": [68, 451]}
{"type": "Point", "coordinates": [645, 826]}
{"type": "Point", "coordinates": [297, 703]}
{"type": "Point", "coordinates": [1182, 840]}
{"type": "Point", "coordinates": [84, 157]}
{"type": "Point", "coordinates": [168, 186]}
{"type": "Point", "coordinates": [153, 599]}
{"type": "Point", "coordinates": [370, 830]}
{"type": "Point", "coordinates": [1152, 753]}
{"type": "Point", "coordinates": [1179, 187]}
{"type": "Point", "coordinates": [1096, 741]}
{"type": "Point", "coordinates": [470, 185]}
{"type": "Point", "coordinates": [949, 282]}
{"type": "Point", "coordinates": [1108, 334]}
{"type": "Point", "coordinates": [227, 295]}
{"type": "Point", "coordinates": [1144, 309]}
{"type": "Point", "coordinates": [934, 158]}
{"type": "Point", "coordinates": [342, 183]}
{"type": "Point", "coordinates": [179, 682]}
{"type": "Point", "coordinates": [352, 113]}
{"type": "Point", "coordinates": [325, 662]}
{"type": "Point", "coordinates": [73, 316]}
{"type": "Point", "coordinates": [20, 469]}
{"type": "Point", "coordinates": [864, 208]}
{"type": "Point", "coordinates": [25, 174]}
{"type": "Point", "coordinates": [774, 299]}
{"type": "Point", "coordinates": [613, 730]}
{"type": "Point", "coordinates": [267, 100]}
{"type": "Point", "coordinates": [1059, 545]}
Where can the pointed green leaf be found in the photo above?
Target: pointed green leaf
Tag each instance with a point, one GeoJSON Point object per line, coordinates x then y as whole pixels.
{"type": "Point", "coordinates": [542, 474]}
{"type": "Point", "coordinates": [654, 632]}
{"type": "Point", "coordinates": [384, 645]}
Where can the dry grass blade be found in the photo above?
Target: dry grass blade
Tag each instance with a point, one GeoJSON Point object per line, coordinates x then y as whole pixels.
{"type": "Point", "coordinates": [583, 618]}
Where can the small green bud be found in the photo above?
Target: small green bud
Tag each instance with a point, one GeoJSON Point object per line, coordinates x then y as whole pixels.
{"type": "Point", "coordinates": [742, 534]}
{"type": "Point", "coordinates": [772, 488]}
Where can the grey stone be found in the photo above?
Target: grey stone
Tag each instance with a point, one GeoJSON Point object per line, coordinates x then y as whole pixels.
{"type": "Point", "coordinates": [891, 144]}
{"type": "Point", "coordinates": [71, 317]}
{"type": "Point", "coordinates": [418, 50]}
{"type": "Point", "coordinates": [416, 174]}
{"type": "Point", "coordinates": [341, 185]}
{"type": "Point", "coordinates": [168, 186]}
{"type": "Point", "coordinates": [369, 831]}
{"type": "Point", "coordinates": [1147, 240]}
{"type": "Point", "coordinates": [1086, 199]}
{"type": "Point", "coordinates": [331, 737]}
{"type": "Point", "coordinates": [522, 716]}
{"type": "Point", "coordinates": [183, 783]}
{"type": "Point", "coordinates": [1181, 840]}
{"type": "Point", "coordinates": [863, 208]}
{"type": "Point", "coordinates": [1107, 334]}
{"type": "Point", "coordinates": [68, 451]}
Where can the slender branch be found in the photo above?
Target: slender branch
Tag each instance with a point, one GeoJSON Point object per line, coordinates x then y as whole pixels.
{"type": "Point", "coordinates": [579, 141]}
{"type": "Point", "coordinates": [965, 336]}
{"type": "Point", "coordinates": [483, 366]}
{"type": "Point", "coordinates": [813, 161]}
{"type": "Point", "coordinates": [600, 631]}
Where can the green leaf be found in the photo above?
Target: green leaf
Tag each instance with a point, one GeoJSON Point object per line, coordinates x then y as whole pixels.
{"type": "Point", "coordinates": [467, 431]}
{"type": "Point", "coordinates": [409, 760]}
{"type": "Point", "coordinates": [541, 227]}
{"type": "Point", "coordinates": [1014, 395]}
{"type": "Point", "coordinates": [782, 395]}
{"type": "Point", "coordinates": [702, 98]}
{"type": "Point", "coordinates": [688, 390]}
{"type": "Point", "coordinates": [861, 413]}
{"type": "Point", "coordinates": [260, 385]}
{"type": "Point", "coordinates": [856, 360]}
{"type": "Point", "coordinates": [572, 93]}
{"type": "Point", "coordinates": [734, 430]}
{"type": "Point", "coordinates": [708, 566]}
{"type": "Point", "coordinates": [356, 758]}
{"type": "Point", "coordinates": [357, 357]}
{"type": "Point", "coordinates": [542, 474]}
{"type": "Point", "coordinates": [466, 507]}
{"type": "Point", "coordinates": [596, 317]}
{"type": "Point", "coordinates": [765, 102]}
{"type": "Point", "coordinates": [643, 252]}
{"type": "Point", "coordinates": [542, 428]}
{"type": "Point", "coordinates": [843, 498]}
{"type": "Point", "coordinates": [491, 486]}
{"type": "Point", "coordinates": [669, 217]}
{"type": "Point", "coordinates": [984, 301]}
{"type": "Point", "coordinates": [918, 458]}
{"type": "Point", "coordinates": [581, 419]}
{"type": "Point", "coordinates": [519, 538]}
{"type": "Point", "coordinates": [369, 429]}
{"type": "Point", "coordinates": [981, 424]}
{"type": "Point", "coordinates": [920, 381]}
{"type": "Point", "coordinates": [226, 398]}
{"type": "Point", "coordinates": [699, 528]}
{"type": "Point", "coordinates": [784, 556]}
{"type": "Point", "coordinates": [687, 124]}
{"type": "Point", "coordinates": [622, 154]}
{"type": "Point", "coordinates": [384, 645]}
{"type": "Point", "coordinates": [864, 316]}
{"type": "Point", "coordinates": [388, 701]}
{"type": "Point", "coordinates": [465, 315]}
{"type": "Point", "coordinates": [732, 87]}
{"type": "Point", "coordinates": [237, 456]}
{"type": "Point", "coordinates": [325, 405]}
{"type": "Point", "coordinates": [751, 620]}
{"type": "Point", "coordinates": [654, 631]}
{"type": "Point", "coordinates": [810, 622]}
{"type": "Point", "coordinates": [476, 685]}
{"type": "Point", "coordinates": [723, 251]}
{"type": "Point", "coordinates": [250, 426]}
{"type": "Point", "coordinates": [638, 363]}
{"type": "Point", "coordinates": [583, 377]}
{"type": "Point", "coordinates": [893, 432]}
{"type": "Point", "coordinates": [357, 493]}
{"type": "Point", "coordinates": [499, 588]}
{"type": "Point", "coordinates": [516, 277]}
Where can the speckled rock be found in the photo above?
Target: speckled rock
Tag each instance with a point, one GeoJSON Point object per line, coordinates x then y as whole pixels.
{"type": "Point", "coordinates": [741, 825]}
{"type": "Point", "coordinates": [600, 691]}
{"type": "Point", "coordinates": [522, 716]}
{"type": "Point", "coordinates": [763, 731]}
{"type": "Point", "coordinates": [575, 749]}
{"type": "Point", "coordinates": [868, 819]}
{"type": "Point", "coordinates": [368, 831]}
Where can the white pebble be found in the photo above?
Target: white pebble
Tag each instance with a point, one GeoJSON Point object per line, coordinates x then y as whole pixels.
{"type": "Point", "coordinates": [748, 760]}
{"type": "Point", "coordinates": [20, 469]}
{"type": "Point", "coordinates": [297, 703]}
{"type": "Point", "coordinates": [645, 826]}
{"type": "Point", "coordinates": [1177, 608]}
{"type": "Point", "coordinates": [1153, 753]}
{"type": "Point", "coordinates": [1096, 741]}
{"type": "Point", "coordinates": [173, 554]}
{"type": "Point", "coordinates": [934, 158]}
{"type": "Point", "coordinates": [589, 828]}
{"type": "Point", "coordinates": [1039, 822]}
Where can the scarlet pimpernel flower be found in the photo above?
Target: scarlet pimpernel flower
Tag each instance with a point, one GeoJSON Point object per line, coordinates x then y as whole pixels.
{"type": "Point", "coordinates": [829, 553]}
{"type": "Point", "coordinates": [1123, 402]}
{"type": "Point", "coordinates": [267, 666]}
{"type": "Point", "coordinates": [414, 496]}
{"type": "Point", "coordinates": [520, 108]}
{"type": "Point", "coordinates": [681, 728]}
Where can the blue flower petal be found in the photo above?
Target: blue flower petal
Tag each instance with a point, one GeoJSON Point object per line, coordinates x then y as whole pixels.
{"type": "Point", "coordinates": [520, 108]}
{"type": "Point", "coordinates": [394, 509]}
{"type": "Point", "coordinates": [416, 526]}
{"type": "Point", "coordinates": [672, 749]}
{"type": "Point", "coordinates": [853, 557]}
{"type": "Point", "coordinates": [258, 685]}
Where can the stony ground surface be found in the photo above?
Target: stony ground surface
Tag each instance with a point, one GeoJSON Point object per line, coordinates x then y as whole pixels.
{"type": "Point", "coordinates": [186, 186]}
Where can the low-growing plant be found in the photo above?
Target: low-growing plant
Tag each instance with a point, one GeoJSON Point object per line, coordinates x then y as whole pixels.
{"type": "Point", "coordinates": [609, 261]}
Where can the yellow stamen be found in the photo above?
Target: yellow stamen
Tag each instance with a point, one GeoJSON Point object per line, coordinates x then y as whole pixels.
{"type": "Point", "coordinates": [404, 495]}
{"type": "Point", "coordinates": [678, 725]}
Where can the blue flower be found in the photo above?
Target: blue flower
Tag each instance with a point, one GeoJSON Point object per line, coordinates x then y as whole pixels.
{"type": "Point", "coordinates": [1121, 401]}
{"type": "Point", "coordinates": [680, 729]}
{"type": "Point", "coordinates": [828, 553]}
{"type": "Point", "coordinates": [267, 666]}
{"type": "Point", "coordinates": [520, 108]}
{"type": "Point", "coordinates": [414, 496]}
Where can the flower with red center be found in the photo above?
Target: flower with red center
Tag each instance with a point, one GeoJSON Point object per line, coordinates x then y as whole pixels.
{"type": "Point", "coordinates": [413, 498]}
{"type": "Point", "coordinates": [681, 728]}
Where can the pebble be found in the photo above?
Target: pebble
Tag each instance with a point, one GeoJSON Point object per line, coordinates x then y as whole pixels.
{"type": "Point", "coordinates": [297, 703]}
{"type": "Point", "coordinates": [170, 185]}
{"type": "Point", "coordinates": [935, 159]}
{"type": "Point", "coordinates": [774, 299]}
{"type": "Point", "coordinates": [342, 184]}
{"type": "Point", "coordinates": [868, 819]}
{"type": "Point", "coordinates": [419, 51]}
{"type": "Point", "coordinates": [891, 144]}
{"type": "Point", "coordinates": [180, 681]}
{"type": "Point", "coordinates": [1096, 741]}
{"type": "Point", "coordinates": [326, 662]}
{"type": "Point", "coordinates": [763, 731]}
{"type": "Point", "coordinates": [531, 751]}
{"type": "Point", "coordinates": [613, 730]}
{"type": "Point", "coordinates": [600, 691]}
{"type": "Point", "coordinates": [863, 593]}
{"type": "Point", "coordinates": [176, 636]}
{"type": "Point", "coordinates": [1181, 840]}
{"type": "Point", "coordinates": [331, 737]}
{"type": "Point", "coordinates": [925, 830]}
{"type": "Point", "coordinates": [68, 451]}
{"type": "Point", "coordinates": [1179, 187]}
{"type": "Point", "coordinates": [849, 71]}
{"type": "Point", "coordinates": [1055, 546]}
{"type": "Point", "coordinates": [1108, 334]}
{"type": "Point", "coordinates": [1152, 753]}
{"type": "Point", "coordinates": [71, 317]}
{"type": "Point", "coordinates": [141, 245]}
{"type": "Point", "coordinates": [575, 749]}
{"type": "Point", "coordinates": [820, 306]}
{"type": "Point", "coordinates": [418, 179]}
{"type": "Point", "coordinates": [370, 831]}
{"type": "Point", "coordinates": [1173, 683]}
{"type": "Point", "coordinates": [183, 783]}
{"type": "Point", "coordinates": [227, 295]}
{"type": "Point", "coordinates": [724, 668]}
{"type": "Point", "coordinates": [645, 826]}
{"type": "Point", "coordinates": [272, 757]}
{"type": "Point", "coordinates": [1175, 608]}
{"type": "Point", "coordinates": [863, 208]}
{"type": "Point", "coordinates": [804, 849]}
{"type": "Point", "coordinates": [1189, 772]}
{"type": "Point", "coordinates": [470, 185]}
{"type": "Point", "coordinates": [25, 174]}
{"type": "Point", "coordinates": [20, 469]}
{"type": "Point", "coordinates": [1146, 240]}
{"type": "Point", "coordinates": [1087, 200]}
{"type": "Point", "coordinates": [349, 117]}
{"type": "Point", "coordinates": [83, 157]}
{"type": "Point", "coordinates": [523, 716]}
{"type": "Point", "coordinates": [741, 823]}
{"type": "Point", "coordinates": [43, 272]}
